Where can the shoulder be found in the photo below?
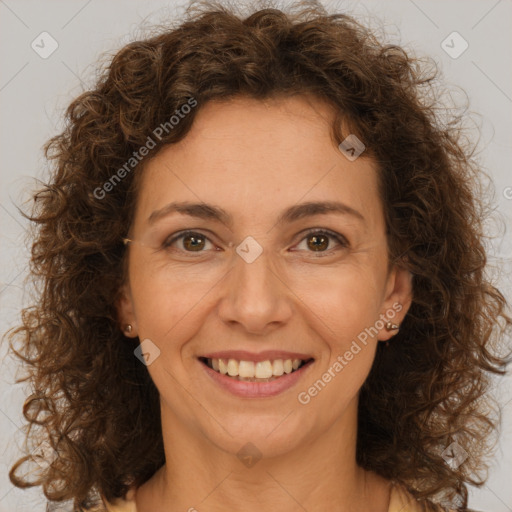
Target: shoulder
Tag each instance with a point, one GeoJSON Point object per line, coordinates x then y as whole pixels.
{"type": "Point", "coordinates": [402, 500]}
{"type": "Point", "coordinates": [122, 505]}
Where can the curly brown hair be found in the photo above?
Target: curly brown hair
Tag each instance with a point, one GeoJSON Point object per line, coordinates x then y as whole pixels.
{"type": "Point", "coordinates": [96, 405]}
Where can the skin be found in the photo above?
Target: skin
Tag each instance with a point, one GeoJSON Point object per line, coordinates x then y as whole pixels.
{"type": "Point", "coordinates": [254, 159]}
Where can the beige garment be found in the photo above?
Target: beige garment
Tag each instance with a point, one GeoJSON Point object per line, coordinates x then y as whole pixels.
{"type": "Point", "coordinates": [401, 501]}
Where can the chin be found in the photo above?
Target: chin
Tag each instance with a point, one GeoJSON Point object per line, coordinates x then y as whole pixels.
{"type": "Point", "coordinates": [262, 438]}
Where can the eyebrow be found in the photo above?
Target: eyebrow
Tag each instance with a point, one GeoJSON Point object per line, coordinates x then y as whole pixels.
{"type": "Point", "coordinates": [293, 213]}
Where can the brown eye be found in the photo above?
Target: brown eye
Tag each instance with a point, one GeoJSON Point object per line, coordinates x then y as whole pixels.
{"type": "Point", "coordinates": [191, 242]}
{"type": "Point", "coordinates": [318, 242]}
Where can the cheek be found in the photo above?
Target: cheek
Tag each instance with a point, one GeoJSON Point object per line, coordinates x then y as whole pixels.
{"type": "Point", "coordinates": [167, 302]}
{"type": "Point", "coordinates": [344, 297]}
{"type": "Point", "coordinates": [347, 299]}
{"type": "Point", "coordinates": [341, 314]}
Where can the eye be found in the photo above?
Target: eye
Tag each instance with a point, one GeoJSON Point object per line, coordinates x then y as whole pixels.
{"type": "Point", "coordinates": [318, 240]}
{"type": "Point", "coordinates": [191, 240]}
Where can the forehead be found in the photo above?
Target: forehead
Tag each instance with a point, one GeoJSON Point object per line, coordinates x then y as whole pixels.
{"type": "Point", "coordinates": [255, 156]}
{"type": "Point", "coordinates": [270, 126]}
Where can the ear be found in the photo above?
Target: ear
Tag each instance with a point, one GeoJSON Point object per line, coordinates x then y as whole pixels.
{"type": "Point", "coordinates": [397, 301]}
{"type": "Point", "coordinates": [126, 312]}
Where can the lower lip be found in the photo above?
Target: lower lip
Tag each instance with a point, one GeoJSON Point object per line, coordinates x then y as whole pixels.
{"type": "Point", "coordinates": [257, 389]}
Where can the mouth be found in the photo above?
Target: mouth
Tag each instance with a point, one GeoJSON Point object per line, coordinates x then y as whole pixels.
{"type": "Point", "coordinates": [255, 371]}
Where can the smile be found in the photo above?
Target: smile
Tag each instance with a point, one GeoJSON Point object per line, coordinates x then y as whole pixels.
{"type": "Point", "coordinates": [246, 378]}
{"type": "Point", "coordinates": [254, 371]}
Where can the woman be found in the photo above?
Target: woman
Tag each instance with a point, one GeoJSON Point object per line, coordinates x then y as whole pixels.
{"type": "Point", "coordinates": [263, 280]}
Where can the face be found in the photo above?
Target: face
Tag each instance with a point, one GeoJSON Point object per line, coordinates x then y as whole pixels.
{"type": "Point", "coordinates": [260, 276]}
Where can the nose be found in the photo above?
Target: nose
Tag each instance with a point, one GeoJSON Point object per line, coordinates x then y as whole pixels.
{"type": "Point", "coordinates": [254, 296]}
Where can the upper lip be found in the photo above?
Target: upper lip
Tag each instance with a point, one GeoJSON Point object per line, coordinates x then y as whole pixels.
{"type": "Point", "coordinates": [242, 355]}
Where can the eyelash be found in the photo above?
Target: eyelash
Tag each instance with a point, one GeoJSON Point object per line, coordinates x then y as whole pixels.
{"type": "Point", "coordinates": [314, 231]}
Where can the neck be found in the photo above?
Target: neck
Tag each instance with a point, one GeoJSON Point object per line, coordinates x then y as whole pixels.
{"type": "Point", "coordinates": [316, 476]}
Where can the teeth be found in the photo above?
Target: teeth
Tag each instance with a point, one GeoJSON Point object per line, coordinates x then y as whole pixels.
{"type": "Point", "coordinates": [245, 369]}
{"type": "Point", "coordinates": [223, 367]}
{"type": "Point", "coordinates": [232, 368]}
{"type": "Point", "coordinates": [263, 369]}
{"type": "Point", "coordinates": [277, 367]}
{"type": "Point", "coordinates": [250, 370]}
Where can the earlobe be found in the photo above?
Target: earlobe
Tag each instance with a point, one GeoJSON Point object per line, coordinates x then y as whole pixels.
{"type": "Point", "coordinates": [397, 303]}
{"type": "Point", "coordinates": [125, 312]}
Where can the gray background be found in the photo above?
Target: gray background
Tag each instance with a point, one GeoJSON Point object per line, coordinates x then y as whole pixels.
{"type": "Point", "coordinates": [35, 91]}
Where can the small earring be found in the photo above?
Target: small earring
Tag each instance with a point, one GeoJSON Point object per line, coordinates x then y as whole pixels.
{"type": "Point", "coordinates": [127, 329]}
{"type": "Point", "coordinates": [392, 327]}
